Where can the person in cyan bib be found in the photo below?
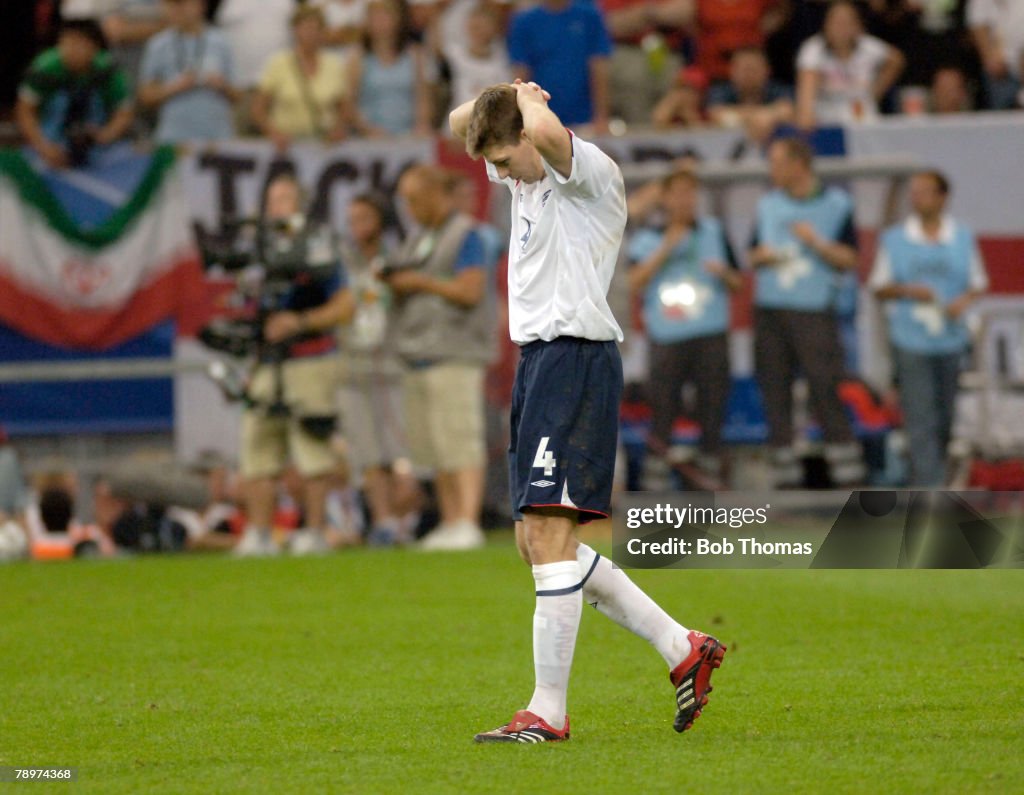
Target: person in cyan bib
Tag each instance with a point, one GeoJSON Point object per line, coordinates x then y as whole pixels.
{"type": "Point", "coordinates": [928, 271]}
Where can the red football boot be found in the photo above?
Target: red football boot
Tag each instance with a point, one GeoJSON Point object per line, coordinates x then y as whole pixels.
{"type": "Point", "coordinates": [525, 727]}
{"type": "Point", "coordinates": [692, 678]}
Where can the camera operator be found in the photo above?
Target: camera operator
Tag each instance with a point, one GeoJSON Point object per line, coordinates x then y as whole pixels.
{"type": "Point", "coordinates": [293, 401]}
{"type": "Point", "coordinates": [73, 98]}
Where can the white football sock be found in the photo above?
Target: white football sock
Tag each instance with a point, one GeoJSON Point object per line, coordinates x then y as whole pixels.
{"type": "Point", "coordinates": [615, 595]}
{"type": "Point", "coordinates": [556, 622]}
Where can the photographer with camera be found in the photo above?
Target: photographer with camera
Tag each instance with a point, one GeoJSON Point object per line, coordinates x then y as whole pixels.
{"type": "Point", "coordinates": [291, 395]}
{"type": "Point", "coordinates": [445, 331]}
{"type": "Point", "coordinates": [73, 98]}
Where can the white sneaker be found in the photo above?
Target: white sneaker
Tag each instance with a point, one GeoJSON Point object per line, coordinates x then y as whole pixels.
{"type": "Point", "coordinates": [255, 544]}
{"type": "Point", "coordinates": [308, 542]}
{"type": "Point", "coordinates": [457, 536]}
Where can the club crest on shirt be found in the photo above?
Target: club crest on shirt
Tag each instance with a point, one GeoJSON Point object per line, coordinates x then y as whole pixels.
{"type": "Point", "coordinates": [526, 235]}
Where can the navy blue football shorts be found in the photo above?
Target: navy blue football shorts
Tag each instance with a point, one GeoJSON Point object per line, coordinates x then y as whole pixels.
{"type": "Point", "coordinates": [565, 423]}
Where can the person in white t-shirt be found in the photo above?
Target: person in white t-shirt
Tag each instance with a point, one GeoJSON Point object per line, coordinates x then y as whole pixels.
{"type": "Point", "coordinates": [568, 217]}
{"type": "Point", "coordinates": [477, 57]}
{"type": "Point", "coordinates": [346, 25]}
{"type": "Point", "coordinates": [255, 29]}
{"type": "Point", "coordinates": [997, 27]}
{"type": "Point", "coordinates": [843, 72]}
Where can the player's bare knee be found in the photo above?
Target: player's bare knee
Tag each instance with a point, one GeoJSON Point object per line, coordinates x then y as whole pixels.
{"type": "Point", "coordinates": [549, 534]}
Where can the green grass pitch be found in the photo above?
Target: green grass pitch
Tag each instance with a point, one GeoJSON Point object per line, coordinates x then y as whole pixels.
{"type": "Point", "coordinates": [369, 672]}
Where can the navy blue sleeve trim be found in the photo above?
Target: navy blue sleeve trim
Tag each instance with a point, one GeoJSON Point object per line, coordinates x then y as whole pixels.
{"type": "Point", "coordinates": [590, 570]}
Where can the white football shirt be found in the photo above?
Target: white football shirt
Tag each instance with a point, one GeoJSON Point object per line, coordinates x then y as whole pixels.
{"type": "Point", "coordinates": [566, 234]}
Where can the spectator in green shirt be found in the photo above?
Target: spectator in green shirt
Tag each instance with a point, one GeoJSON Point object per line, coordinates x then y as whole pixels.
{"type": "Point", "coordinates": [73, 97]}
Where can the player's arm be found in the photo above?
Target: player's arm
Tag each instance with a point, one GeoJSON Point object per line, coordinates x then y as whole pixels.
{"type": "Point", "coordinates": [458, 119]}
{"type": "Point", "coordinates": [543, 128]}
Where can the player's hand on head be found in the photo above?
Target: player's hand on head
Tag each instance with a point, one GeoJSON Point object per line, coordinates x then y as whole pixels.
{"type": "Point", "coordinates": [530, 89]}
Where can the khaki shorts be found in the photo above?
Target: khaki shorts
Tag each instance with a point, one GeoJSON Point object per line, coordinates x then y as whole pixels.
{"type": "Point", "coordinates": [444, 416]}
{"type": "Point", "coordinates": [268, 443]}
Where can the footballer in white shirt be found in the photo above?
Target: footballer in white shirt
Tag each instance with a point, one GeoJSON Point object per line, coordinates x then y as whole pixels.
{"type": "Point", "coordinates": [568, 217]}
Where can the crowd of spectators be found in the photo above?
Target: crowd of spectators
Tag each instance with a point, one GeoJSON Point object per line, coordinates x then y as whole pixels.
{"type": "Point", "coordinates": [85, 73]}
{"type": "Point", "coordinates": [334, 69]}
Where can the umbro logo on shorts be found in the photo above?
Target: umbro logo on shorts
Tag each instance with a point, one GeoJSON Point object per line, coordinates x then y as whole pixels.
{"type": "Point", "coordinates": [543, 483]}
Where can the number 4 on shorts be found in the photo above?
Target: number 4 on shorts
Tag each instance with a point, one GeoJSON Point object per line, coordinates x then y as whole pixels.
{"type": "Point", "coordinates": [545, 458]}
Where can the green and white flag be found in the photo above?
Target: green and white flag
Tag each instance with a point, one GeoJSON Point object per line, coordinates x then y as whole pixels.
{"type": "Point", "coordinates": [95, 288]}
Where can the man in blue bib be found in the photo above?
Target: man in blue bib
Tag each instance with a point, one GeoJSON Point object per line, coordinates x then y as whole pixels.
{"type": "Point", "coordinates": [684, 273]}
{"type": "Point", "coordinates": [928, 271]}
{"type": "Point", "coordinates": [803, 245]}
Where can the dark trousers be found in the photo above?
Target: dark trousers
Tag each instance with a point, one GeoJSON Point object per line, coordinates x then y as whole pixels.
{"type": "Point", "coordinates": [789, 343]}
{"type": "Point", "coordinates": [928, 385]}
{"type": "Point", "coordinates": [704, 362]}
